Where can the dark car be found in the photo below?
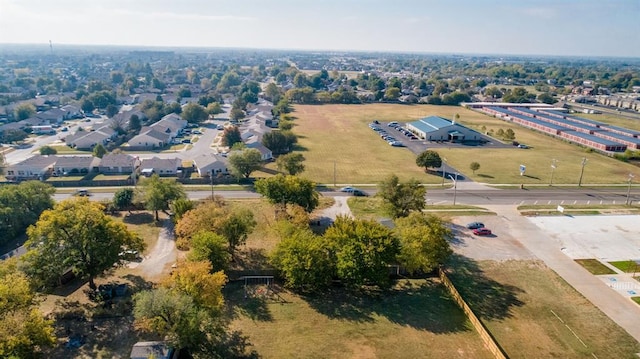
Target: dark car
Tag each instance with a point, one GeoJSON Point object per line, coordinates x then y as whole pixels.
{"type": "Point", "coordinates": [359, 193]}
{"type": "Point", "coordinates": [475, 225]}
{"type": "Point", "coordinates": [482, 231]}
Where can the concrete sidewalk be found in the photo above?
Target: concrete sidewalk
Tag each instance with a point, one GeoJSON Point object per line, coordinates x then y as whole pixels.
{"type": "Point", "coordinates": [619, 308]}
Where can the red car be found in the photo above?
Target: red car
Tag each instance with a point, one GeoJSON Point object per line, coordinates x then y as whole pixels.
{"type": "Point", "coordinates": [482, 231]}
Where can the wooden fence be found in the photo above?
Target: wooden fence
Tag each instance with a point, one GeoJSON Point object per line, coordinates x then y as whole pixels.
{"type": "Point", "coordinates": [486, 337]}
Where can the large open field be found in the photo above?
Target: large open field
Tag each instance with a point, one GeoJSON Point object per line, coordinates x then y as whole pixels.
{"type": "Point", "coordinates": [533, 313]}
{"type": "Point", "coordinates": [416, 319]}
{"type": "Point", "coordinates": [339, 134]}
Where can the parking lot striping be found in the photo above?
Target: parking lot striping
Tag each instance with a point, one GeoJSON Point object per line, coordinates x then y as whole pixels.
{"type": "Point", "coordinates": [571, 330]}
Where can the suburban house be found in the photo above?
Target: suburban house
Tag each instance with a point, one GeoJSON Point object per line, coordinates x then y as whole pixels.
{"type": "Point", "coordinates": [71, 111]}
{"type": "Point", "coordinates": [160, 166]}
{"type": "Point", "coordinates": [75, 164]}
{"type": "Point", "coordinates": [35, 167]}
{"type": "Point", "coordinates": [87, 140]}
{"type": "Point", "coordinates": [265, 153]}
{"type": "Point", "coordinates": [211, 163]}
{"type": "Point", "coordinates": [435, 128]}
{"type": "Point", "coordinates": [158, 134]}
{"type": "Point", "coordinates": [118, 163]}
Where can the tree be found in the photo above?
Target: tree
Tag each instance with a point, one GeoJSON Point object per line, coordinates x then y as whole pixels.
{"type": "Point", "coordinates": [279, 141]}
{"type": "Point", "coordinates": [157, 193]}
{"type": "Point", "coordinates": [236, 114]}
{"type": "Point", "coordinates": [362, 251]}
{"type": "Point", "coordinates": [13, 135]}
{"type": "Point", "coordinates": [206, 217]}
{"type": "Point", "coordinates": [134, 123]}
{"type": "Point", "coordinates": [474, 166]}
{"type": "Point", "coordinates": [547, 98]}
{"type": "Point", "coordinates": [211, 247]}
{"type": "Point", "coordinates": [291, 162]}
{"type": "Point", "coordinates": [231, 136]}
{"type": "Point", "coordinates": [194, 113]}
{"type": "Point", "coordinates": [245, 162]}
{"type": "Point", "coordinates": [181, 206]}
{"type": "Point", "coordinates": [24, 332]}
{"type": "Point", "coordinates": [24, 111]}
{"type": "Point", "coordinates": [111, 110]}
{"type": "Point", "coordinates": [236, 227]}
{"type": "Point", "coordinates": [99, 150]}
{"type": "Point", "coordinates": [401, 198]}
{"type": "Point", "coordinates": [284, 190]}
{"type": "Point", "coordinates": [509, 134]}
{"type": "Point", "coordinates": [428, 159]}
{"type": "Point", "coordinates": [392, 93]}
{"type": "Point", "coordinates": [87, 106]}
{"type": "Point", "coordinates": [196, 280]}
{"type": "Point", "coordinates": [21, 205]}
{"type": "Point", "coordinates": [76, 234]}
{"type": "Point", "coordinates": [123, 198]}
{"type": "Point", "coordinates": [214, 108]}
{"type": "Point", "coordinates": [47, 150]}
{"type": "Point", "coordinates": [423, 242]}
{"type": "Point", "coordinates": [303, 261]}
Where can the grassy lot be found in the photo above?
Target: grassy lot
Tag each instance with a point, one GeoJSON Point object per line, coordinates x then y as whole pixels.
{"type": "Point", "coordinates": [577, 210]}
{"type": "Point", "coordinates": [66, 178]}
{"type": "Point", "coordinates": [636, 299]}
{"type": "Point", "coordinates": [143, 223]}
{"type": "Point", "coordinates": [626, 266]}
{"type": "Point", "coordinates": [102, 177]}
{"type": "Point", "coordinates": [338, 134]}
{"type": "Point", "coordinates": [66, 150]}
{"type": "Point", "coordinates": [594, 266]}
{"type": "Point", "coordinates": [415, 319]}
{"type": "Point", "coordinates": [371, 208]}
{"type": "Point", "coordinates": [520, 302]}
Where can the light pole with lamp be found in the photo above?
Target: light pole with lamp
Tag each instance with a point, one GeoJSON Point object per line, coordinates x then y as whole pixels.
{"type": "Point", "coordinates": [629, 188]}
{"type": "Point", "coordinates": [553, 168]}
{"type": "Point", "coordinates": [455, 187]}
{"type": "Point", "coordinates": [584, 162]}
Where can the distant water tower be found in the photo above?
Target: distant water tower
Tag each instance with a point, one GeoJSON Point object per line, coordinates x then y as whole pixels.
{"type": "Point", "coordinates": [51, 47]}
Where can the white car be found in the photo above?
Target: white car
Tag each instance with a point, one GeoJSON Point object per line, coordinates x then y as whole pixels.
{"type": "Point", "coordinates": [347, 189]}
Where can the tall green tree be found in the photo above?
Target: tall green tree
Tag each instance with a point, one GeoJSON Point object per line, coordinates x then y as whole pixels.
{"type": "Point", "coordinates": [245, 162]}
{"type": "Point", "coordinates": [362, 251]}
{"type": "Point", "coordinates": [291, 162]}
{"type": "Point", "coordinates": [474, 166]}
{"type": "Point", "coordinates": [99, 150]}
{"type": "Point", "coordinates": [194, 113]}
{"type": "Point", "coordinates": [401, 198]}
{"type": "Point", "coordinates": [123, 198]}
{"type": "Point", "coordinates": [231, 136]}
{"type": "Point", "coordinates": [47, 150]}
{"type": "Point", "coordinates": [181, 206]}
{"type": "Point", "coordinates": [76, 234]}
{"type": "Point", "coordinates": [21, 206]}
{"type": "Point", "coordinates": [283, 190]}
{"type": "Point", "coordinates": [24, 111]}
{"type": "Point", "coordinates": [424, 242]}
{"type": "Point", "coordinates": [279, 141]}
{"type": "Point", "coordinates": [429, 159]}
{"type": "Point", "coordinates": [236, 227]}
{"type": "Point", "coordinates": [211, 247]}
{"type": "Point", "coordinates": [158, 193]}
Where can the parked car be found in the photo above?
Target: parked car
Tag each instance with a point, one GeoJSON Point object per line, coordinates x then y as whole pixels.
{"type": "Point", "coordinates": [475, 225]}
{"type": "Point", "coordinates": [186, 140]}
{"type": "Point", "coordinates": [396, 143]}
{"type": "Point", "coordinates": [376, 122]}
{"type": "Point", "coordinates": [220, 128]}
{"type": "Point", "coordinates": [196, 132]}
{"type": "Point", "coordinates": [392, 124]}
{"type": "Point", "coordinates": [482, 231]}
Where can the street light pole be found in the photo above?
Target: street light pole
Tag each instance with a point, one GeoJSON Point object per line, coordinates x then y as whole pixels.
{"type": "Point", "coordinates": [334, 173]}
{"type": "Point", "coordinates": [553, 168]}
{"type": "Point", "coordinates": [455, 187]}
{"type": "Point", "coordinates": [212, 194]}
{"type": "Point", "coordinates": [629, 188]}
{"type": "Point", "coordinates": [584, 162]}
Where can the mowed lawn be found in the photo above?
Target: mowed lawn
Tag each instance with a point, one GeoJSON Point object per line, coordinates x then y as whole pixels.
{"type": "Point", "coordinates": [417, 319]}
{"type": "Point", "coordinates": [517, 300]}
{"type": "Point", "coordinates": [339, 133]}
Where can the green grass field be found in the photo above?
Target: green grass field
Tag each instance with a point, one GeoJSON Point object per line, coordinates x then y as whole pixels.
{"type": "Point", "coordinates": [415, 319]}
{"type": "Point", "coordinates": [594, 266]}
{"type": "Point", "coordinates": [338, 134]}
{"type": "Point", "coordinates": [520, 303]}
{"type": "Point", "coordinates": [627, 266]}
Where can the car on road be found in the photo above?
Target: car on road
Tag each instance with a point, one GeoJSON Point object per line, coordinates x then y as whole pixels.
{"type": "Point", "coordinates": [482, 231]}
{"type": "Point", "coordinates": [396, 143]}
{"type": "Point", "coordinates": [522, 145]}
{"type": "Point", "coordinates": [347, 189]}
{"type": "Point", "coordinates": [359, 193]}
{"type": "Point", "coordinates": [475, 225]}
{"type": "Point", "coordinates": [82, 193]}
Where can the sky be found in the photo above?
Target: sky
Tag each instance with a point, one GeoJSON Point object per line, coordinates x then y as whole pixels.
{"type": "Point", "coordinates": [510, 27]}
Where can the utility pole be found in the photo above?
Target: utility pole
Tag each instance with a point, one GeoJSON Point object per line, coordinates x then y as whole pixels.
{"type": "Point", "coordinates": [553, 168]}
{"type": "Point", "coordinates": [444, 161]}
{"type": "Point", "coordinates": [334, 173]}
{"type": "Point", "coordinates": [584, 162]}
{"type": "Point", "coordinates": [455, 187]}
{"type": "Point", "coordinates": [629, 188]}
{"type": "Point", "coordinates": [212, 197]}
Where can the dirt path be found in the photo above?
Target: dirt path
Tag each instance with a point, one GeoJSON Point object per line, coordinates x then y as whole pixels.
{"type": "Point", "coordinates": [162, 255]}
{"type": "Point", "coordinates": [340, 207]}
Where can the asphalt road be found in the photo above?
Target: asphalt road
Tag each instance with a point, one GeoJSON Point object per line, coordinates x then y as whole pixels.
{"type": "Point", "coordinates": [471, 197]}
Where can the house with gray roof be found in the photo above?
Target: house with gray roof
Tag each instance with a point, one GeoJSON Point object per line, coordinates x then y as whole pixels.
{"type": "Point", "coordinates": [265, 153]}
{"type": "Point", "coordinates": [118, 163]}
{"type": "Point", "coordinates": [149, 139]}
{"type": "Point", "coordinates": [65, 165]}
{"type": "Point", "coordinates": [160, 166]}
{"type": "Point", "coordinates": [36, 167]}
{"type": "Point", "coordinates": [211, 163]}
{"type": "Point", "coordinates": [87, 140]}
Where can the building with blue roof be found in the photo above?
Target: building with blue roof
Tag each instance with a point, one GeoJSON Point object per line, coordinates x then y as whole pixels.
{"type": "Point", "coordinates": [435, 128]}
